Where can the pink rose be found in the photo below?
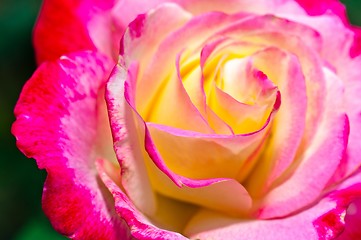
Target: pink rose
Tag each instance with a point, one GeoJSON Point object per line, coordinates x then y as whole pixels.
{"type": "Point", "coordinates": [216, 120]}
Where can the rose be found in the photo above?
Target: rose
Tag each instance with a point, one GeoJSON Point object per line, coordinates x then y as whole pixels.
{"type": "Point", "coordinates": [240, 123]}
{"type": "Point", "coordinates": [62, 120]}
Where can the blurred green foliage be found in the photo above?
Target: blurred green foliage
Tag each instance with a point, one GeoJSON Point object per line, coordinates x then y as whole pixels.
{"type": "Point", "coordinates": [21, 182]}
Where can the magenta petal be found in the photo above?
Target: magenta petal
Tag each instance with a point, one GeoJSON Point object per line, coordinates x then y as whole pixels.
{"type": "Point", "coordinates": [72, 25]}
{"type": "Point", "coordinates": [347, 196]}
{"type": "Point", "coordinates": [57, 124]}
{"type": "Point", "coordinates": [352, 221]}
{"type": "Point", "coordinates": [321, 6]}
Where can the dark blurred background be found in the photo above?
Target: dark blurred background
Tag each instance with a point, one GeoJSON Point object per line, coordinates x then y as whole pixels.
{"type": "Point", "coordinates": [21, 182]}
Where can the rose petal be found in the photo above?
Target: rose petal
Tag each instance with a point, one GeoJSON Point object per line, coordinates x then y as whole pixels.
{"type": "Point", "coordinates": [316, 8]}
{"type": "Point", "coordinates": [183, 151]}
{"type": "Point", "coordinates": [324, 220]}
{"type": "Point", "coordinates": [190, 75]}
{"type": "Point", "coordinates": [351, 74]}
{"type": "Point", "coordinates": [129, 151]}
{"type": "Point", "coordinates": [353, 214]}
{"type": "Point", "coordinates": [245, 109]}
{"type": "Point", "coordinates": [173, 107]}
{"type": "Point", "coordinates": [69, 26]}
{"type": "Point", "coordinates": [271, 23]}
{"type": "Point", "coordinates": [326, 25]}
{"type": "Point", "coordinates": [320, 7]}
{"type": "Point", "coordinates": [139, 225]}
{"type": "Point", "coordinates": [57, 124]}
{"type": "Point", "coordinates": [289, 123]}
{"type": "Point", "coordinates": [136, 7]}
{"type": "Point", "coordinates": [352, 221]}
{"type": "Point", "coordinates": [300, 189]}
{"type": "Point", "coordinates": [224, 195]}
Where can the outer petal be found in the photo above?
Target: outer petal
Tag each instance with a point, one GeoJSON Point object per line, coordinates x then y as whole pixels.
{"type": "Point", "coordinates": [300, 189]}
{"type": "Point", "coordinates": [203, 6]}
{"type": "Point", "coordinates": [351, 74]}
{"type": "Point", "coordinates": [57, 124]}
{"type": "Point", "coordinates": [326, 25]}
{"type": "Point", "coordinates": [73, 25]}
{"type": "Point", "coordinates": [320, 7]}
{"type": "Point", "coordinates": [324, 220]}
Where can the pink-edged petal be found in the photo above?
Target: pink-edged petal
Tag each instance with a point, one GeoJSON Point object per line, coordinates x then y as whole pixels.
{"type": "Point", "coordinates": [323, 220]}
{"type": "Point", "coordinates": [301, 189]}
{"type": "Point", "coordinates": [243, 96]}
{"type": "Point", "coordinates": [140, 227]}
{"type": "Point", "coordinates": [243, 118]}
{"type": "Point", "coordinates": [129, 150]}
{"type": "Point", "coordinates": [351, 75]}
{"type": "Point", "coordinates": [57, 124]}
{"type": "Point", "coordinates": [183, 151]}
{"type": "Point", "coordinates": [220, 194]}
{"type": "Point", "coordinates": [140, 43]}
{"type": "Point", "coordinates": [272, 23]}
{"type": "Point", "coordinates": [316, 8]}
{"type": "Point", "coordinates": [289, 123]}
{"type": "Point", "coordinates": [67, 26]}
{"type": "Point", "coordinates": [342, 42]}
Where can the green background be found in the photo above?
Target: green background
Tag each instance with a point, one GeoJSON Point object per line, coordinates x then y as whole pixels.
{"type": "Point", "coordinates": [21, 182]}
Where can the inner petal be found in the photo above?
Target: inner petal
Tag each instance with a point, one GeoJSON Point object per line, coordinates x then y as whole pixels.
{"type": "Point", "coordinates": [243, 97]}
{"type": "Point", "coordinates": [288, 126]}
{"type": "Point", "coordinates": [244, 83]}
{"type": "Point", "coordinates": [190, 74]}
{"type": "Point", "coordinates": [183, 151]}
